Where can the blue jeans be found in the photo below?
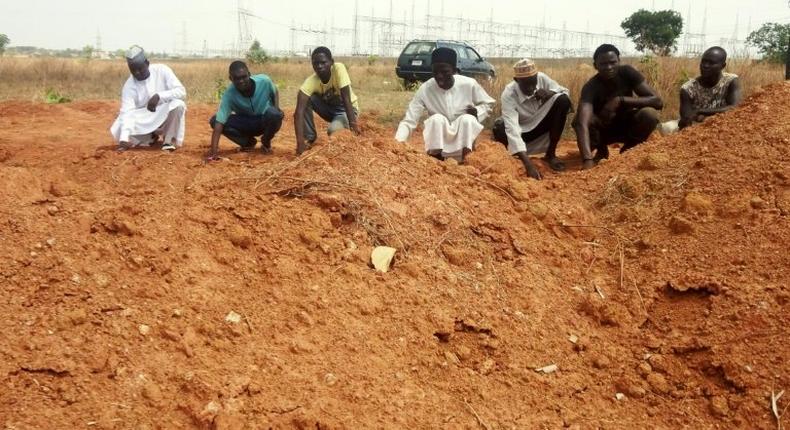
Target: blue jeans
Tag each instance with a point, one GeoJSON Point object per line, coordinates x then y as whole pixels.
{"type": "Point", "coordinates": [242, 129]}
{"type": "Point", "coordinates": [335, 115]}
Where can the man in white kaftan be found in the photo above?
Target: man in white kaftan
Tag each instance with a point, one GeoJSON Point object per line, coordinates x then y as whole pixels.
{"type": "Point", "coordinates": [456, 107]}
{"type": "Point", "coordinates": [534, 111]}
{"type": "Point", "coordinates": [152, 104]}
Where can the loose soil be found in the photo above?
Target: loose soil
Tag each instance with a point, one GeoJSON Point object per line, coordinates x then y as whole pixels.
{"type": "Point", "coordinates": [148, 290]}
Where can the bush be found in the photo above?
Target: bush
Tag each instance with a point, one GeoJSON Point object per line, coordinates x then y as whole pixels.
{"type": "Point", "coordinates": [52, 96]}
{"type": "Point", "coordinates": [256, 54]}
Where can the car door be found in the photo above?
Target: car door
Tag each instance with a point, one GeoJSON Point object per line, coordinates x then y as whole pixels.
{"type": "Point", "coordinates": [477, 64]}
{"type": "Point", "coordinates": [464, 64]}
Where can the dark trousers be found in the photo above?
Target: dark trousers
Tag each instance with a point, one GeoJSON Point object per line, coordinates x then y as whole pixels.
{"type": "Point", "coordinates": [630, 128]}
{"type": "Point", "coordinates": [335, 115]}
{"type": "Point", "coordinates": [553, 123]}
{"type": "Point", "coordinates": [242, 129]}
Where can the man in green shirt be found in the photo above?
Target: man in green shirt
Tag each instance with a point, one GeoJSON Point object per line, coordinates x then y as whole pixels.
{"type": "Point", "coordinates": [249, 108]}
{"type": "Point", "coordinates": [327, 92]}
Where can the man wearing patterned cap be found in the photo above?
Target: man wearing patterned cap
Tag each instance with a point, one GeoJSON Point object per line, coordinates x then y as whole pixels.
{"type": "Point", "coordinates": [534, 110]}
{"type": "Point", "coordinates": [456, 107]}
{"type": "Point", "coordinates": [152, 105]}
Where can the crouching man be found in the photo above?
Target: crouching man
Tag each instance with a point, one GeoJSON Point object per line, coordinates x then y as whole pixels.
{"type": "Point", "coordinates": [456, 107]}
{"type": "Point", "coordinates": [534, 111]}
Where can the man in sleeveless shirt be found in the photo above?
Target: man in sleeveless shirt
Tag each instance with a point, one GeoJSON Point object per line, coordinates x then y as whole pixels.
{"type": "Point", "coordinates": [714, 91]}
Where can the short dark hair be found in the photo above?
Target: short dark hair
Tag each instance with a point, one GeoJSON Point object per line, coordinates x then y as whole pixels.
{"type": "Point", "coordinates": [237, 65]}
{"type": "Point", "coordinates": [321, 50]}
{"type": "Point", "coordinates": [717, 48]}
{"type": "Point", "coordinates": [603, 49]}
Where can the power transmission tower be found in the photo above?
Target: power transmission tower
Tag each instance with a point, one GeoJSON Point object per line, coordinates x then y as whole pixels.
{"type": "Point", "coordinates": [98, 42]}
{"type": "Point", "coordinates": [244, 36]}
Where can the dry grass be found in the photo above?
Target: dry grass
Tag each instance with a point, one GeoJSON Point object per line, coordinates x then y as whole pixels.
{"type": "Point", "coordinates": [375, 84]}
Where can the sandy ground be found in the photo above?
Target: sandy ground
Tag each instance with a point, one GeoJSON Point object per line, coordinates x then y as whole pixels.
{"type": "Point", "coordinates": [146, 290]}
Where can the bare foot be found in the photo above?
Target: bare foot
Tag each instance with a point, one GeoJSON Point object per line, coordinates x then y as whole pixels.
{"type": "Point", "coordinates": [555, 163]}
{"type": "Point", "coordinates": [589, 164]}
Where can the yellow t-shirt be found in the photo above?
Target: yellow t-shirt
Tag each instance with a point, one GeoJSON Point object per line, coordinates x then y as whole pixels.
{"type": "Point", "coordinates": [330, 91]}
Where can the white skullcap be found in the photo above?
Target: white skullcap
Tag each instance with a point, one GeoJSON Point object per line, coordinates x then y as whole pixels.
{"type": "Point", "coordinates": [135, 54]}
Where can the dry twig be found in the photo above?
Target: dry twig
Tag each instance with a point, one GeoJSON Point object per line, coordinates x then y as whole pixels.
{"type": "Point", "coordinates": [479, 420]}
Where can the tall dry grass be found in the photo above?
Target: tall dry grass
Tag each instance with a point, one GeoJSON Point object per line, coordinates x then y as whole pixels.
{"type": "Point", "coordinates": [374, 82]}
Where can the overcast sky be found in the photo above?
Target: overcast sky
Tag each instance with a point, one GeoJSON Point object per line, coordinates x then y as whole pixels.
{"type": "Point", "coordinates": [160, 25]}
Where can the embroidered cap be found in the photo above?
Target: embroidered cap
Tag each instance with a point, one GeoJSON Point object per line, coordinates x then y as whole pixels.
{"type": "Point", "coordinates": [524, 68]}
{"type": "Point", "coordinates": [135, 54]}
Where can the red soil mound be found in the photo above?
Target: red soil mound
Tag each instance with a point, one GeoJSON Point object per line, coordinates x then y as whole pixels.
{"type": "Point", "coordinates": [149, 290]}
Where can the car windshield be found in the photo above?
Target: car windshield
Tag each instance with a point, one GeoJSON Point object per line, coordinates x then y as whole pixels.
{"type": "Point", "coordinates": [419, 48]}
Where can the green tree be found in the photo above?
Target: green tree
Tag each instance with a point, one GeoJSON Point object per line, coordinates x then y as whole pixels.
{"type": "Point", "coordinates": [4, 41]}
{"type": "Point", "coordinates": [654, 31]}
{"type": "Point", "coordinates": [256, 54]}
{"type": "Point", "coordinates": [87, 52]}
{"type": "Point", "coordinates": [771, 40]}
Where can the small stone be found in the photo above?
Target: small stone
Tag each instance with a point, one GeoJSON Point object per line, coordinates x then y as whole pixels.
{"type": "Point", "coordinates": [601, 362]}
{"type": "Point", "coordinates": [539, 210]}
{"type": "Point", "coordinates": [644, 369]}
{"type": "Point", "coordinates": [680, 225]}
{"type": "Point", "coordinates": [619, 396]}
{"type": "Point", "coordinates": [573, 339]}
{"type": "Point", "coordinates": [463, 353]}
{"type": "Point", "coordinates": [178, 313]}
{"type": "Point", "coordinates": [78, 316]}
{"type": "Point", "coordinates": [719, 406]}
{"type": "Point", "coordinates": [381, 258]}
{"type": "Point", "coordinates": [52, 210]}
{"type": "Point", "coordinates": [330, 379]}
{"type": "Point", "coordinates": [144, 329]}
{"type": "Point", "coordinates": [75, 278]}
{"type": "Point", "coordinates": [305, 318]}
{"type": "Point", "coordinates": [152, 392]}
{"type": "Point", "coordinates": [658, 363]}
{"type": "Point", "coordinates": [487, 366]}
{"type": "Point", "coordinates": [547, 369]}
{"type": "Point", "coordinates": [33, 254]}
{"type": "Point", "coordinates": [299, 346]}
{"type": "Point", "coordinates": [211, 410]}
{"type": "Point", "coordinates": [654, 161]}
{"type": "Point", "coordinates": [171, 335]}
{"type": "Point", "coordinates": [636, 391]}
{"type": "Point", "coordinates": [658, 382]}
{"type": "Point", "coordinates": [233, 318]}
{"type": "Point", "coordinates": [757, 202]}
{"type": "Point", "coordinates": [697, 203]}
{"type": "Point", "coordinates": [51, 242]}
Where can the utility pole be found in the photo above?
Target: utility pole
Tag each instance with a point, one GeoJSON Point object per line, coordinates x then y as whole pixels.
{"type": "Point", "coordinates": [355, 34]}
{"type": "Point", "coordinates": [98, 42]}
{"type": "Point", "coordinates": [183, 38]}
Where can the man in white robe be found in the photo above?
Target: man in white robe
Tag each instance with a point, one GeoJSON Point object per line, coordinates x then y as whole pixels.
{"type": "Point", "coordinates": [534, 111]}
{"type": "Point", "coordinates": [152, 105]}
{"type": "Point", "coordinates": [456, 107]}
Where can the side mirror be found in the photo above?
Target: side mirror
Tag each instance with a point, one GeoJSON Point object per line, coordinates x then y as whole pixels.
{"type": "Point", "coordinates": [479, 60]}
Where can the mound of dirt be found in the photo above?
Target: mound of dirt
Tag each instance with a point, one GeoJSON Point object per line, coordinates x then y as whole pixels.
{"type": "Point", "coordinates": [150, 290]}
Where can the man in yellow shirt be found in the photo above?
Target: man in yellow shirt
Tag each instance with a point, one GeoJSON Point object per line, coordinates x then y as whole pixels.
{"type": "Point", "coordinates": [327, 92]}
